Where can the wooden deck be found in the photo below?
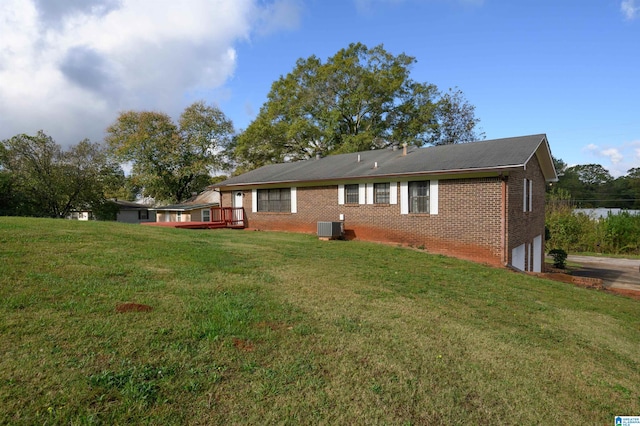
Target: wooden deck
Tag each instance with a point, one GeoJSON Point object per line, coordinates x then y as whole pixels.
{"type": "Point", "coordinates": [221, 217]}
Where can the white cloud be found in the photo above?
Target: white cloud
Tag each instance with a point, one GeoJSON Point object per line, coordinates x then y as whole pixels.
{"type": "Point", "coordinates": [630, 9]}
{"type": "Point", "coordinates": [617, 160]}
{"type": "Point", "coordinates": [69, 66]}
{"type": "Point", "coordinates": [613, 155]}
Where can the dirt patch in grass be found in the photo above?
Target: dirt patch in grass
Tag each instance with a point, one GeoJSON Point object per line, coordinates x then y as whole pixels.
{"type": "Point", "coordinates": [595, 283]}
{"type": "Point", "coordinates": [588, 282]}
{"type": "Point", "coordinates": [243, 345]}
{"type": "Point", "coordinates": [132, 307]}
{"type": "Point", "coordinates": [629, 293]}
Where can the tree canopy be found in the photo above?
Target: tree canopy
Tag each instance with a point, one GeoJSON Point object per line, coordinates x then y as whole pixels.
{"type": "Point", "coordinates": [169, 161]}
{"type": "Point", "coordinates": [591, 174]}
{"type": "Point", "coordinates": [456, 120]}
{"type": "Point", "coordinates": [591, 185]}
{"type": "Point", "coordinates": [359, 99]}
{"type": "Point", "coordinates": [39, 178]}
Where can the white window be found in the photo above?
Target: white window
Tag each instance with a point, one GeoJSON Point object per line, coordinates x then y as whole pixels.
{"type": "Point", "coordinates": [179, 217]}
{"type": "Point", "coordinates": [274, 200]}
{"type": "Point", "coordinates": [352, 194]}
{"type": "Point", "coordinates": [381, 193]}
{"type": "Point", "coordinates": [527, 195]}
{"type": "Point", "coordinates": [366, 193]}
{"type": "Point", "coordinates": [206, 215]}
{"type": "Point", "coordinates": [280, 200]}
{"type": "Point", "coordinates": [420, 197]}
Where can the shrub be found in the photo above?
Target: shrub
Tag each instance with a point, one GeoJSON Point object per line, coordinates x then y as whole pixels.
{"type": "Point", "coordinates": [621, 232]}
{"type": "Point", "coordinates": [559, 258]}
{"type": "Point", "coordinates": [578, 232]}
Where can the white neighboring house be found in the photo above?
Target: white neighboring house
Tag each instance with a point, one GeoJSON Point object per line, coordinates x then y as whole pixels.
{"type": "Point", "coordinates": [195, 209]}
{"type": "Point", "coordinates": [80, 215]}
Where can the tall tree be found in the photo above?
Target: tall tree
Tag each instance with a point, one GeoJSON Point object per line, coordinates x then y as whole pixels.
{"type": "Point", "coordinates": [630, 188]}
{"type": "Point", "coordinates": [91, 174]}
{"type": "Point", "coordinates": [456, 120]}
{"type": "Point", "coordinates": [53, 182]}
{"type": "Point", "coordinates": [634, 173]}
{"type": "Point", "coordinates": [170, 161]}
{"type": "Point", "coordinates": [559, 165]}
{"type": "Point", "coordinates": [588, 184]}
{"type": "Point", "coordinates": [592, 174]}
{"type": "Point", "coordinates": [9, 195]}
{"type": "Point", "coordinates": [592, 185]}
{"type": "Point", "coordinates": [359, 99]}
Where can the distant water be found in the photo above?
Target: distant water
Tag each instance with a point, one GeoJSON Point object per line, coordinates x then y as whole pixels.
{"type": "Point", "coordinates": [604, 212]}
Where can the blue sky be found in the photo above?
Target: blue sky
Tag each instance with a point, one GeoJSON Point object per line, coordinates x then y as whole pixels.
{"type": "Point", "coordinates": [567, 68]}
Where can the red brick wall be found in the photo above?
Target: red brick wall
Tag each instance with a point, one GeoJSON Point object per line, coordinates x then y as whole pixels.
{"type": "Point", "coordinates": [468, 224]}
{"type": "Point", "coordinates": [523, 227]}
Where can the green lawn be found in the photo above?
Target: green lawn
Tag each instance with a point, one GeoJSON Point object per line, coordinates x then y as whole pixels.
{"type": "Point", "coordinates": [263, 328]}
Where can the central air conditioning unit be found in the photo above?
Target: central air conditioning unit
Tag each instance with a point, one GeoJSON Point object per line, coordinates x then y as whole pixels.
{"type": "Point", "coordinates": [330, 230]}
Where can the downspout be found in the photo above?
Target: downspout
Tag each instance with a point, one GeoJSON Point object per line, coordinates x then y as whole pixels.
{"type": "Point", "coordinates": [503, 221]}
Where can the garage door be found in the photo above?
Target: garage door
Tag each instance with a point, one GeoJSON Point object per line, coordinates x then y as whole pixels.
{"type": "Point", "coordinates": [518, 256]}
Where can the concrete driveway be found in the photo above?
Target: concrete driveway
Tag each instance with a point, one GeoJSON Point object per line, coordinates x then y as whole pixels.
{"type": "Point", "coordinates": [615, 273]}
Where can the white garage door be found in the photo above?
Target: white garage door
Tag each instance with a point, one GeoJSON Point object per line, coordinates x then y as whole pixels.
{"type": "Point", "coordinates": [537, 254]}
{"type": "Point", "coordinates": [517, 257]}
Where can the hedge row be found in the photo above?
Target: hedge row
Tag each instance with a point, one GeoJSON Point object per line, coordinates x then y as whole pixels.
{"type": "Point", "coordinates": [577, 232]}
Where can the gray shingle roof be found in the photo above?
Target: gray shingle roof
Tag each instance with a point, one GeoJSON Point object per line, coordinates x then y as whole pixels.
{"type": "Point", "coordinates": [206, 198]}
{"type": "Point", "coordinates": [184, 207]}
{"type": "Point", "coordinates": [475, 156]}
{"type": "Point", "coordinates": [130, 205]}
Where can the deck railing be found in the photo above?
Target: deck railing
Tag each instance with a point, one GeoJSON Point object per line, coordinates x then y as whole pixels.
{"type": "Point", "coordinates": [230, 216]}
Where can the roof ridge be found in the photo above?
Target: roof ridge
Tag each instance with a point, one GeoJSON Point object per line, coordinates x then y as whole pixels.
{"type": "Point", "coordinates": [487, 155]}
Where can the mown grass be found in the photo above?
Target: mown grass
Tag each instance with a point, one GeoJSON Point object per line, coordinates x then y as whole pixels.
{"type": "Point", "coordinates": [263, 328]}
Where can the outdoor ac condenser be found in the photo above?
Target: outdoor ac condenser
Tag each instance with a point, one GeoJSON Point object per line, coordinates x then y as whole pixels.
{"type": "Point", "coordinates": [329, 229]}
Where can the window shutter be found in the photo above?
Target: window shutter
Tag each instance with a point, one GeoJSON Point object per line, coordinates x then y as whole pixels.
{"type": "Point", "coordinates": [433, 197]}
{"type": "Point", "coordinates": [524, 196]}
{"type": "Point", "coordinates": [294, 200]}
{"type": "Point", "coordinates": [393, 193]}
{"type": "Point", "coordinates": [254, 200]}
{"type": "Point", "coordinates": [369, 193]}
{"type": "Point", "coordinates": [530, 195]}
{"type": "Point", "coordinates": [404, 197]}
{"type": "Point", "coordinates": [340, 194]}
{"type": "Point", "coordinates": [362, 193]}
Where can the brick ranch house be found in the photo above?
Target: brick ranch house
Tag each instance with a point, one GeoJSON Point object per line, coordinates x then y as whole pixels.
{"type": "Point", "coordinates": [481, 201]}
